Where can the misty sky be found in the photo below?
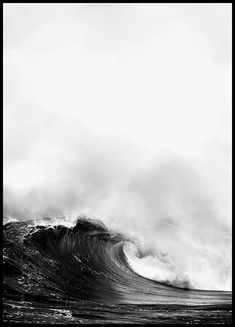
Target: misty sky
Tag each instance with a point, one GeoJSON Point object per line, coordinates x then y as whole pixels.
{"type": "Point", "coordinates": [128, 81]}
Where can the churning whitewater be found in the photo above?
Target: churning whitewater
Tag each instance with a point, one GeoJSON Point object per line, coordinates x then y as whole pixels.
{"type": "Point", "coordinates": [87, 264]}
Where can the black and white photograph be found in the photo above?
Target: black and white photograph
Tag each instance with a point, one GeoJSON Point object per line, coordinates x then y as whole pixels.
{"type": "Point", "coordinates": [117, 163]}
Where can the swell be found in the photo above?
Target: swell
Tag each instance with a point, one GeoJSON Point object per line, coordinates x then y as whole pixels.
{"type": "Point", "coordinates": [84, 263]}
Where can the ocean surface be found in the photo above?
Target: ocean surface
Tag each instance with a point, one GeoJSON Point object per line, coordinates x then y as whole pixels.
{"type": "Point", "coordinates": [83, 274]}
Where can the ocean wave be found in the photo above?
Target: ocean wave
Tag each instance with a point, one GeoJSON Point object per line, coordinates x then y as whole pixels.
{"type": "Point", "coordinates": [88, 262]}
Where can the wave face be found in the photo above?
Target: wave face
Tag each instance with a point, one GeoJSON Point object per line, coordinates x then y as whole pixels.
{"type": "Point", "coordinates": [82, 271]}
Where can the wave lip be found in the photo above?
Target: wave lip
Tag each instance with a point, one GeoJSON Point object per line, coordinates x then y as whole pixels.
{"type": "Point", "coordinates": [156, 267]}
{"type": "Point", "coordinates": [86, 262]}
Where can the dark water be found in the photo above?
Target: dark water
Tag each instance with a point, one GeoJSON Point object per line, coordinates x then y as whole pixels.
{"type": "Point", "coordinates": [56, 274]}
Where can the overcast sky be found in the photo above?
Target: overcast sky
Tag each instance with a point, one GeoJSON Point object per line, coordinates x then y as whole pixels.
{"type": "Point", "coordinates": [133, 81]}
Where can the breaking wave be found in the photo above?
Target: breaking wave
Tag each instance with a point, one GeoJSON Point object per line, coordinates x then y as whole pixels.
{"type": "Point", "coordinates": [88, 262]}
